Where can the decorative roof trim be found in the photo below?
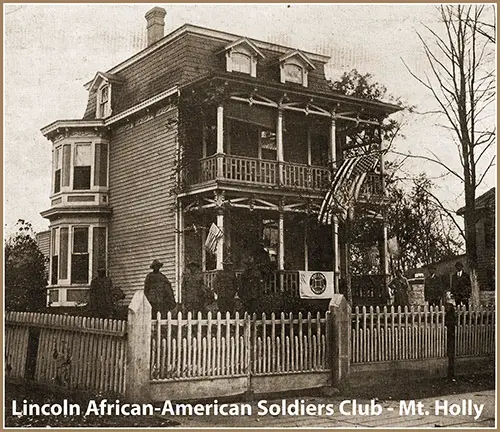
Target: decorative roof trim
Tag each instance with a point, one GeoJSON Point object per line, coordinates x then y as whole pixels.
{"type": "Point", "coordinates": [297, 53]}
{"type": "Point", "coordinates": [202, 31]}
{"type": "Point", "coordinates": [76, 123]}
{"type": "Point", "coordinates": [242, 41]}
{"type": "Point", "coordinates": [103, 76]}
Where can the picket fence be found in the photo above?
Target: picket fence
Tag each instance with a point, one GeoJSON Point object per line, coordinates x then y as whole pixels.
{"type": "Point", "coordinates": [387, 334]}
{"type": "Point", "coordinates": [217, 346]}
{"type": "Point", "coordinates": [68, 351]}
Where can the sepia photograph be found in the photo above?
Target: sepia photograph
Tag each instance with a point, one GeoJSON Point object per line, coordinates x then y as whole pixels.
{"type": "Point", "coordinates": [244, 215]}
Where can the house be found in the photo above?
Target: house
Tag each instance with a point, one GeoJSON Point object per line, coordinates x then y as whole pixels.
{"type": "Point", "coordinates": [485, 239]}
{"type": "Point", "coordinates": [205, 127]}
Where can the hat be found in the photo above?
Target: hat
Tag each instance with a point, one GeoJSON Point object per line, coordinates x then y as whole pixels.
{"type": "Point", "coordinates": [192, 264]}
{"type": "Point", "coordinates": [458, 264]}
{"type": "Point", "coordinates": [156, 264]}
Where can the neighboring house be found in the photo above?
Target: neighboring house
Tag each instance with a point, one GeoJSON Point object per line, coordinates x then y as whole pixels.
{"type": "Point", "coordinates": [43, 241]}
{"type": "Point", "coordinates": [485, 239]}
{"type": "Point", "coordinates": [202, 127]}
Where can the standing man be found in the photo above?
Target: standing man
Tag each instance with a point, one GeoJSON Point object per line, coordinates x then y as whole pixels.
{"type": "Point", "coordinates": [434, 289]}
{"type": "Point", "coordinates": [194, 293]}
{"type": "Point", "coordinates": [226, 287]}
{"type": "Point", "coordinates": [401, 289]}
{"type": "Point", "coordinates": [158, 291]}
{"type": "Point", "coordinates": [460, 285]}
{"type": "Point", "coordinates": [102, 296]}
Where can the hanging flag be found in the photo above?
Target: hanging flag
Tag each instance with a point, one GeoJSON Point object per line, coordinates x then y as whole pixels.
{"type": "Point", "coordinates": [213, 236]}
{"type": "Point", "coordinates": [346, 185]}
{"type": "Point", "coordinates": [316, 285]}
{"type": "Point", "coordinates": [393, 246]}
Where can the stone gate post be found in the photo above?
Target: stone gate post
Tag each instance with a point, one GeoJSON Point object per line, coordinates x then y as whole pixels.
{"type": "Point", "coordinates": [138, 348]}
{"type": "Point", "coordinates": [340, 311]}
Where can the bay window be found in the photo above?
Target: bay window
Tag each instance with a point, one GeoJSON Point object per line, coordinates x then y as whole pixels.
{"type": "Point", "coordinates": [80, 166]}
{"type": "Point", "coordinates": [77, 251]}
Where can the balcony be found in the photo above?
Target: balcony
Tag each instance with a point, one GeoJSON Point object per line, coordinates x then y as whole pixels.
{"type": "Point", "coordinates": [259, 172]}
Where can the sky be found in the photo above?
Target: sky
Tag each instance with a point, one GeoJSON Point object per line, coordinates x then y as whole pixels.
{"type": "Point", "coordinates": [51, 51]}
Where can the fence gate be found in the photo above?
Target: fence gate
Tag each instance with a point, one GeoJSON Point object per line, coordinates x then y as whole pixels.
{"type": "Point", "coordinates": [224, 354]}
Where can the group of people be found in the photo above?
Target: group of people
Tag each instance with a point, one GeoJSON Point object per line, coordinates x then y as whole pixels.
{"type": "Point", "coordinates": [435, 290]}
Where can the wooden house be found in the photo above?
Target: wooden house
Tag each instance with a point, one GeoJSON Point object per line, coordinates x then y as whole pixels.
{"type": "Point", "coordinates": [204, 127]}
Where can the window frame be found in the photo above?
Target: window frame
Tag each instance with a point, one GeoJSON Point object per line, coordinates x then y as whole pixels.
{"type": "Point", "coordinates": [243, 51]}
{"type": "Point", "coordinates": [103, 105]}
{"type": "Point", "coordinates": [70, 246]}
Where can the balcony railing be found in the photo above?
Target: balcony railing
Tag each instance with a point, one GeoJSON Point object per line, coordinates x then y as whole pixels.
{"type": "Point", "coordinates": [252, 171]}
{"type": "Point", "coordinates": [247, 170]}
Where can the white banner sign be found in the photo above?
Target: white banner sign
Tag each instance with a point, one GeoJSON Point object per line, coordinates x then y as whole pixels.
{"type": "Point", "coordinates": [316, 285]}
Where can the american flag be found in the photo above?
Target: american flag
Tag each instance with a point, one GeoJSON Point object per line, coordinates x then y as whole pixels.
{"type": "Point", "coordinates": [214, 234]}
{"type": "Point", "coordinates": [346, 185]}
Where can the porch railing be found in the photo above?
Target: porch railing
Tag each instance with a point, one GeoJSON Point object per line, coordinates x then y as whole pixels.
{"type": "Point", "coordinates": [278, 281]}
{"type": "Point", "coordinates": [242, 169]}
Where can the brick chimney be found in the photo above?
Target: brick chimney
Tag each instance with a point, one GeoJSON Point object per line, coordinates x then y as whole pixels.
{"type": "Point", "coordinates": [155, 24]}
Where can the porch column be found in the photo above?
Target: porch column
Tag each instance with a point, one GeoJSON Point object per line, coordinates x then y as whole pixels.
{"type": "Point", "coordinates": [306, 249]}
{"type": "Point", "coordinates": [203, 250]}
{"type": "Point", "coordinates": [281, 241]}
{"type": "Point", "coordinates": [220, 140]}
{"type": "Point", "coordinates": [384, 255]}
{"type": "Point", "coordinates": [279, 145]}
{"type": "Point", "coordinates": [219, 257]}
{"type": "Point", "coordinates": [181, 254]}
{"type": "Point", "coordinates": [336, 253]}
{"type": "Point", "coordinates": [332, 149]}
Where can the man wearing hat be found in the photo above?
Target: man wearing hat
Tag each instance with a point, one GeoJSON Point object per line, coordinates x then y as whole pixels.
{"type": "Point", "coordinates": [434, 288]}
{"type": "Point", "coordinates": [460, 285]}
{"type": "Point", "coordinates": [158, 291]}
{"type": "Point", "coordinates": [103, 295]}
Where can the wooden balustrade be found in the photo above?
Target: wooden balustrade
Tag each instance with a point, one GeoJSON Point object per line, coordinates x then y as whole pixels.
{"type": "Point", "coordinates": [263, 172]}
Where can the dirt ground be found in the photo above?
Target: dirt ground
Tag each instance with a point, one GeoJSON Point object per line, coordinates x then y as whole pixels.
{"type": "Point", "coordinates": [421, 389]}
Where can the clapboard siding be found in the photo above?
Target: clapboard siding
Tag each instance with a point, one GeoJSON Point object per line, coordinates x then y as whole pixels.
{"type": "Point", "coordinates": [142, 227]}
{"type": "Point", "coordinates": [188, 57]}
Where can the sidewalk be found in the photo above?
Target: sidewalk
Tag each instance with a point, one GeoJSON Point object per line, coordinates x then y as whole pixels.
{"type": "Point", "coordinates": [389, 417]}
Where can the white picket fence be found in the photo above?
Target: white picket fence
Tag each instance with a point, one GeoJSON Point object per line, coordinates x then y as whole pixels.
{"type": "Point", "coordinates": [69, 351]}
{"type": "Point", "coordinates": [217, 345]}
{"type": "Point", "coordinates": [387, 334]}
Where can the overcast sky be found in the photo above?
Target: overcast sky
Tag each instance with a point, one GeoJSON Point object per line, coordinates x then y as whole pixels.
{"type": "Point", "coordinates": [51, 51]}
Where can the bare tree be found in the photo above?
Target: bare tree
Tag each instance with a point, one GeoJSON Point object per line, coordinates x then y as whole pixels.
{"type": "Point", "coordinates": [461, 78]}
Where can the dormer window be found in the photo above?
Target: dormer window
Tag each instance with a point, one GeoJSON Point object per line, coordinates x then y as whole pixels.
{"type": "Point", "coordinates": [241, 63]}
{"type": "Point", "coordinates": [294, 68]}
{"type": "Point", "coordinates": [104, 85]}
{"type": "Point", "coordinates": [242, 56]}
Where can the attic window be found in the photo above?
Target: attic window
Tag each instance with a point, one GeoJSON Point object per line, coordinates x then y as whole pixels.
{"type": "Point", "coordinates": [242, 63]}
{"type": "Point", "coordinates": [241, 56]}
{"type": "Point", "coordinates": [295, 67]}
{"type": "Point", "coordinates": [293, 73]}
{"type": "Point", "coordinates": [103, 101]}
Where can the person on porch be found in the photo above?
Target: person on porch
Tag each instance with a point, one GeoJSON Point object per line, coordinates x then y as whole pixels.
{"type": "Point", "coordinates": [251, 286]}
{"type": "Point", "coordinates": [225, 286]}
{"type": "Point", "coordinates": [158, 291]}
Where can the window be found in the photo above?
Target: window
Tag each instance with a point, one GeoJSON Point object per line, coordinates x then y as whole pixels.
{"type": "Point", "coordinates": [268, 144]}
{"type": "Point", "coordinates": [80, 255]}
{"type": "Point", "coordinates": [57, 169]}
{"type": "Point", "coordinates": [294, 73]}
{"type": "Point", "coordinates": [82, 166]}
{"type": "Point", "coordinates": [76, 253]}
{"type": "Point", "coordinates": [103, 102]}
{"type": "Point", "coordinates": [241, 63]}
{"type": "Point", "coordinates": [101, 165]}
{"type": "Point", "coordinates": [54, 268]}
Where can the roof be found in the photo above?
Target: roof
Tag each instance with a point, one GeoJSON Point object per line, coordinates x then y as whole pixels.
{"type": "Point", "coordinates": [486, 200]}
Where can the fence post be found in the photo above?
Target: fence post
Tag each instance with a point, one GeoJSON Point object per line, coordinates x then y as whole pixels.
{"type": "Point", "coordinates": [138, 348]}
{"type": "Point", "coordinates": [451, 322]}
{"type": "Point", "coordinates": [340, 340]}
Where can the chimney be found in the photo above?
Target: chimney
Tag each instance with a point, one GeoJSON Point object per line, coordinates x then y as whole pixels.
{"type": "Point", "coordinates": [156, 24]}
